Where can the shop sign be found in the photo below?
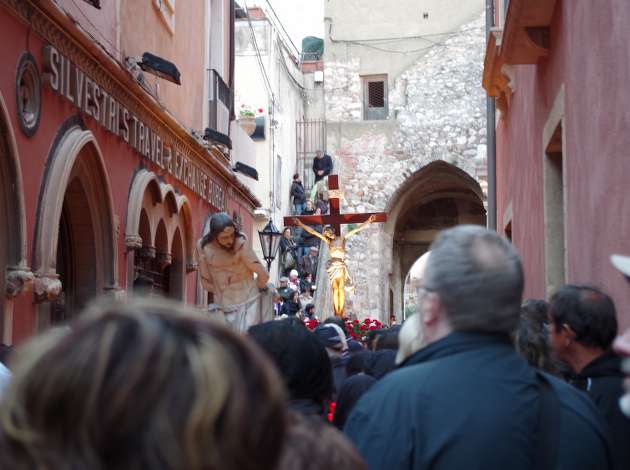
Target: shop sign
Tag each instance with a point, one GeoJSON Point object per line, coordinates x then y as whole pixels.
{"type": "Point", "coordinates": [68, 80]}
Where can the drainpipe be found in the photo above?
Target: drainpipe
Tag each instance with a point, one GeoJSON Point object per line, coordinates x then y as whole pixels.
{"type": "Point", "coordinates": [491, 138]}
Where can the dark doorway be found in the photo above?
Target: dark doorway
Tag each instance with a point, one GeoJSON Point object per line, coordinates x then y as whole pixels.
{"type": "Point", "coordinates": [76, 255]}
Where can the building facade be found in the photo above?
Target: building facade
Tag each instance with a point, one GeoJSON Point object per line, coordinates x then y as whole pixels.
{"type": "Point", "coordinates": [559, 71]}
{"type": "Point", "coordinates": [109, 172]}
{"type": "Point", "coordinates": [273, 83]}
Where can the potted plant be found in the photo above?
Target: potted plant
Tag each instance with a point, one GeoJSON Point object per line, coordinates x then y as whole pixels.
{"type": "Point", "coordinates": [247, 119]}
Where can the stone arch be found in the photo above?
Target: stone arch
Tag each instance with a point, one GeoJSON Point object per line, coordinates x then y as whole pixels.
{"type": "Point", "coordinates": [437, 196]}
{"type": "Point", "coordinates": [184, 210]}
{"type": "Point", "coordinates": [142, 181]}
{"type": "Point", "coordinates": [15, 275]}
{"type": "Point", "coordinates": [75, 164]}
{"type": "Point", "coordinates": [154, 204]}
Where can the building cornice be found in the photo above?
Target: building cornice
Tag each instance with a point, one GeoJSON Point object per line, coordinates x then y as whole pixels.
{"type": "Point", "coordinates": [523, 40]}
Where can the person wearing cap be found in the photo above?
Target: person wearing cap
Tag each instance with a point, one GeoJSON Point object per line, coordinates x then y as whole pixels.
{"type": "Point", "coordinates": [308, 263]}
{"type": "Point", "coordinates": [294, 280]}
{"type": "Point", "coordinates": [622, 343]}
{"type": "Point", "coordinates": [334, 339]}
{"type": "Point", "coordinates": [582, 328]}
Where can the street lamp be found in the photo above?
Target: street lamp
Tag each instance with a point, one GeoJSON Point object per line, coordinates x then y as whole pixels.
{"type": "Point", "coordinates": [269, 241]}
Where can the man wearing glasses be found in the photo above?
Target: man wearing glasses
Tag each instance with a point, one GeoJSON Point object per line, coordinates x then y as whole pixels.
{"type": "Point", "coordinates": [467, 399]}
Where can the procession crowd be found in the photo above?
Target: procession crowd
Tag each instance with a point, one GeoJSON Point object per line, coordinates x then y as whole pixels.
{"type": "Point", "coordinates": [477, 380]}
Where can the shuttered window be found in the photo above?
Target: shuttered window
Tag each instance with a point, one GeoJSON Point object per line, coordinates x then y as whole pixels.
{"type": "Point", "coordinates": [375, 97]}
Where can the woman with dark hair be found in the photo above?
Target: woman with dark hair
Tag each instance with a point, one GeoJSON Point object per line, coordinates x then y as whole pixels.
{"type": "Point", "coordinates": [302, 361]}
{"type": "Point", "coordinates": [531, 338]}
{"type": "Point", "coordinates": [312, 444]}
{"type": "Point", "coordinates": [143, 385]}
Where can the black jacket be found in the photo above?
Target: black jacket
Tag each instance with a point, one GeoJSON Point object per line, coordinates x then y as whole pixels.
{"type": "Point", "coordinates": [297, 192]}
{"type": "Point", "coordinates": [468, 401]}
{"type": "Point", "coordinates": [325, 163]}
{"type": "Point", "coordinates": [602, 379]}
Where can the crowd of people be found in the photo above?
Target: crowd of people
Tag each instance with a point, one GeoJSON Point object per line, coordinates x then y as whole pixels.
{"type": "Point", "coordinates": [477, 379]}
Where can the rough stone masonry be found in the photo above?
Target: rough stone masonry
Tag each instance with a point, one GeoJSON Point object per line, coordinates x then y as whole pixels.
{"type": "Point", "coordinates": [437, 112]}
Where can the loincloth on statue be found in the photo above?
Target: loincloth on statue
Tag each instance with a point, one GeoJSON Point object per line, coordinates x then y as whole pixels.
{"type": "Point", "coordinates": [240, 317]}
{"type": "Point", "coordinates": [337, 269]}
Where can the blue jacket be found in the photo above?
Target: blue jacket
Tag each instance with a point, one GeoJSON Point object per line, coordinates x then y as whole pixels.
{"type": "Point", "coordinates": [468, 401]}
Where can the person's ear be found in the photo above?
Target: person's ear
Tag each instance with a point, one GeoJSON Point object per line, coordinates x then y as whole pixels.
{"type": "Point", "coordinates": [431, 308]}
{"type": "Point", "coordinates": [568, 334]}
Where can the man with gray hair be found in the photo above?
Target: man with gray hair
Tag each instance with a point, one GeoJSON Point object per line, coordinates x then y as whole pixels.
{"type": "Point", "coordinates": [467, 399]}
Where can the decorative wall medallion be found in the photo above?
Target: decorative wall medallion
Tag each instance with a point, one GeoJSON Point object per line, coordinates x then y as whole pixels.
{"type": "Point", "coordinates": [28, 94]}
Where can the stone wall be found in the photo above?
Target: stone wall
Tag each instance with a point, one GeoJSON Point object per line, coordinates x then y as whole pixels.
{"type": "Point", "coordinates": [437, 112]}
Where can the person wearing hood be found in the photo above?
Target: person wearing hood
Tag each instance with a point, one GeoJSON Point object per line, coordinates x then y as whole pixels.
{"type": "Point", "coordinates": [333, 339]}
{"type": "Point", "coordinates": [302, 362]}
{"type": "Point", "coordinates": [582, 328]}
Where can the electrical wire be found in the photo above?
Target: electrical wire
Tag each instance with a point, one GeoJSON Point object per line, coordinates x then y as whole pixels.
{"type": "Point", "coordinates": [404, 38]}
{"type": "Point", "coordinates": [297, 51]}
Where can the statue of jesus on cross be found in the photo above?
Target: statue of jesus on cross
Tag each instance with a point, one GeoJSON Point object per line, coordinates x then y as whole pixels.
{"type": "Point", "coordinates": [336, 265]}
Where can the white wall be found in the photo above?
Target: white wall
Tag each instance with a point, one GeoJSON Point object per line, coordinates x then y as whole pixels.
{"type": "Point", "coordinates": [281, 113]}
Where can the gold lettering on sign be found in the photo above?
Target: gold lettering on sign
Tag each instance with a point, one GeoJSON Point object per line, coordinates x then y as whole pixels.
{"type": "Point", "coordinates": [69, 81]}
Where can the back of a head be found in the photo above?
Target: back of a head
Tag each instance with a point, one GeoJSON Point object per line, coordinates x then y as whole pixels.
{"type": "Point", "coordinates": [299, 356]}
{"type": "Point", "coordinates": [588, 311]}
{"type": "Point", "coordinates": [536, 311]}
{"type": "Point", "coordinates": [479, 278]}
{"type": "Point", "coordinates": [145, 384]}
{"type": "Point", "coordinates": [532, 343]}
{"type": "Point", "coordinates": [388, 339]}
{"type": "Point", "coordinates": [336, 321]}
{"type": "Point", "coordinates": [312, 444]}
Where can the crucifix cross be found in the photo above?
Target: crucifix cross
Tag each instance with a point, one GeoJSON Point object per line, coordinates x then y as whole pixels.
{"type": "Point", "coordinates": [335, 219]}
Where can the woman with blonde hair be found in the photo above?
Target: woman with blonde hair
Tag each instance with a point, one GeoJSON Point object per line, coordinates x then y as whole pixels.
{"type": "Point", "coordinates": [143, 385]}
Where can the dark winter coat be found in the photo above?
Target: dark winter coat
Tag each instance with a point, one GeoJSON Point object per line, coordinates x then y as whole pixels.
{"type": "Point", "coordinates": [325, 163]}
{"type": "Point", "coordinates": [306, 239]}
{"type": "Point", "coordinates": [297, 192]}
{"type": "Point", "coordinates": [308, 264]}
{"type": "Point", "coordinates": [468, 401]}
{"type": "Point", "coordinates": [602, 379]}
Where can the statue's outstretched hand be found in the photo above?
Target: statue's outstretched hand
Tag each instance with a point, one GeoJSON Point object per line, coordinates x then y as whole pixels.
{"type": "Point", "coordinates": [296, 221]}
{"type": "Point", "coordinates": [372, 218]}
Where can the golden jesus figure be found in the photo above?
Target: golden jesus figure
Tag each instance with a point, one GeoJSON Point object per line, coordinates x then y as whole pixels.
{"type": "Point", "coordinates": [336, 264]}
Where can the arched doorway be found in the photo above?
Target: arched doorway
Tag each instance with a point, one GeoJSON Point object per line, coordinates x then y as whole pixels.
{"type": "Point", "coordinates": [75, 255]}
{"type": "Point", "coordinates": [438, 196]}
{"type": "Point", "coordinates": [14, 273]}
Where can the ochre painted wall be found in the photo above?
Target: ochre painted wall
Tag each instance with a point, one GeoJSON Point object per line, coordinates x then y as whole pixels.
{"type": "Point", "coordinates": [142, 30]}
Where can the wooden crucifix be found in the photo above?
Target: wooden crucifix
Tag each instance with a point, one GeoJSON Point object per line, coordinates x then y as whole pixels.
{"type": "Point", "coordinates": [336, 264]}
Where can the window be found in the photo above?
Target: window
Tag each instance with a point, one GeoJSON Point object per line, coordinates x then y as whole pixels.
{"type": "Point", "coordinates": [375, 104]}
{"type": "Point", "coordinates": [166, 9]}
{"type": "Point", "coordinates": [555, 248]}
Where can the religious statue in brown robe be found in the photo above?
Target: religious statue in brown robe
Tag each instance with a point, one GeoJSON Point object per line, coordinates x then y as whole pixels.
{"type": "Point", "coordinates": [232, 272]}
